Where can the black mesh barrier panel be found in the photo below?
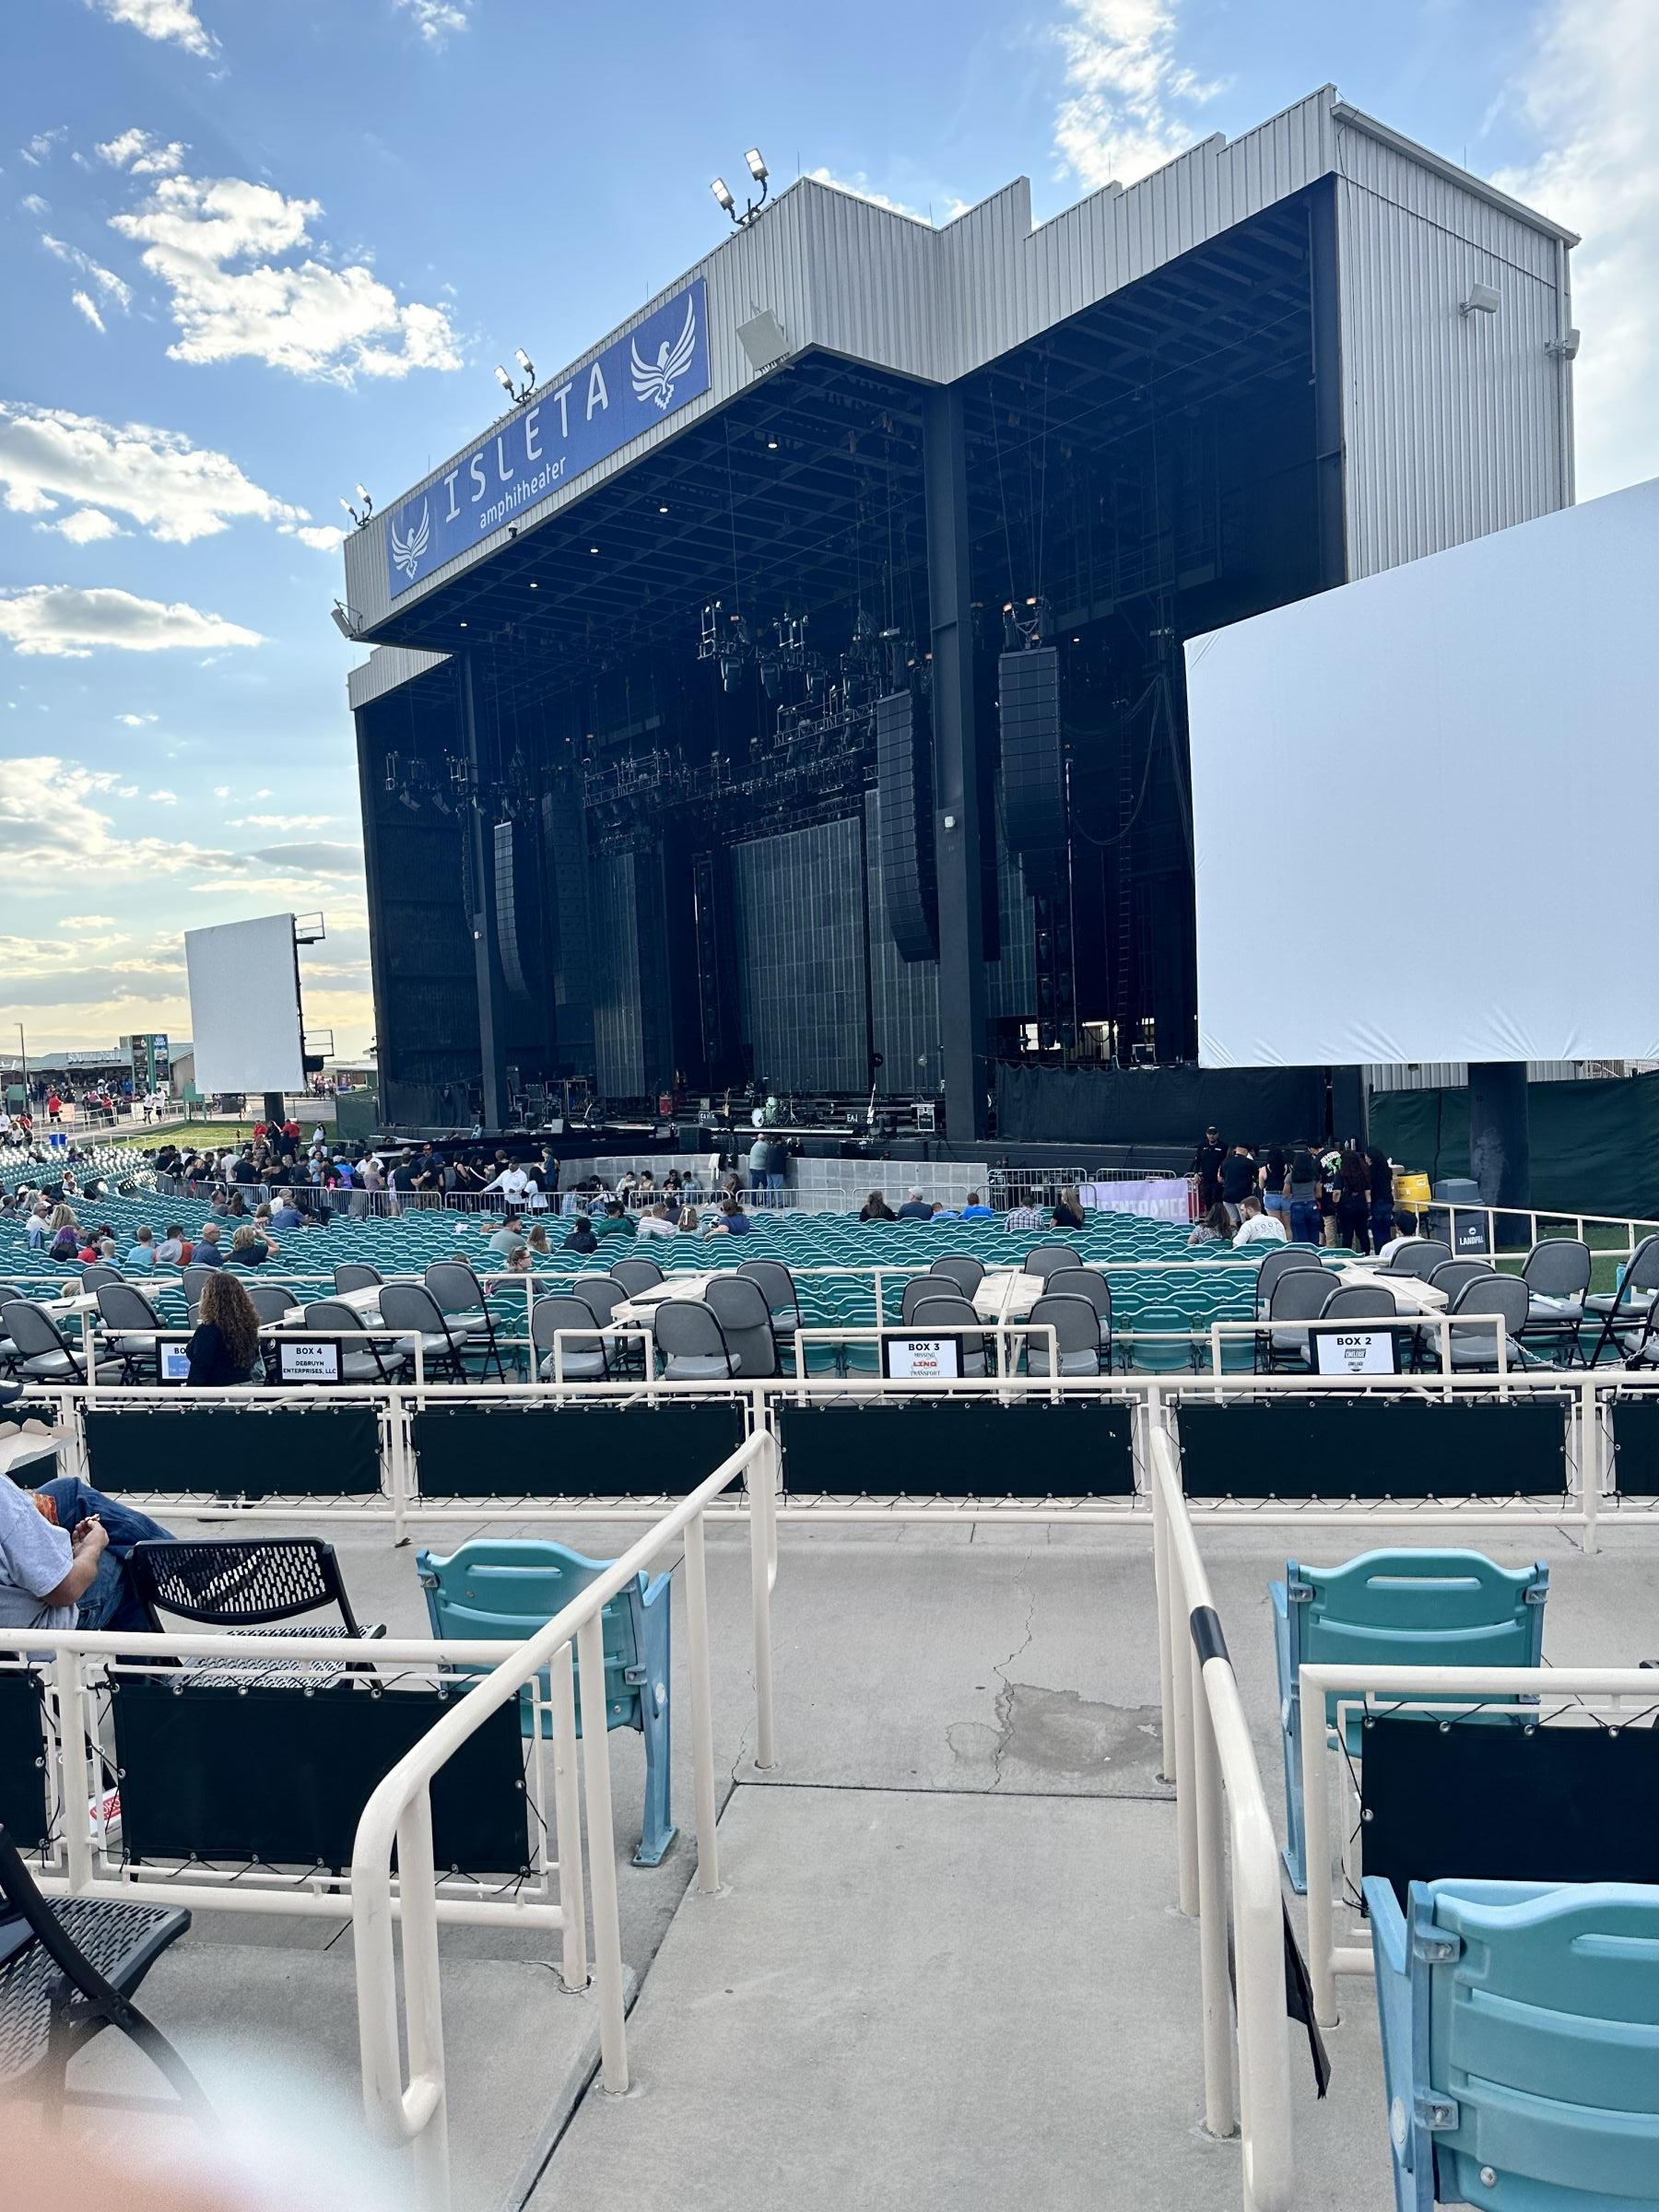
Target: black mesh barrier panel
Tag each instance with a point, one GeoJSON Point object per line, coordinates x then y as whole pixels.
{"type": "Point", "coordinates": [1373, 1447]}
{"type": "Point", "coordinates": [1636, 1446]}
{"type": "Point", "coordinates": [1033, 762]}
{"type": "Point", "coordinates": [280, 1776]}
{"type": "Point", "coordinates": [954, 1448]}
{"type": "Point", "coordinates": [1502, 1800]}
{"type": "Point", "coordinates": [1157, 1105]}
{"type": "Point", "coordinates": [23, 1808]}
{"type": "Point", "coordinates": [904, 783]}
{"type": "Point", "coordinates": [573, 1451]}
{"type": "Point", "coordinates": [236, 1451]}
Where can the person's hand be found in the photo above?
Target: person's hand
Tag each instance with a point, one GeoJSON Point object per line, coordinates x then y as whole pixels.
{"type": "Point", "coordinates": [90, 1534]}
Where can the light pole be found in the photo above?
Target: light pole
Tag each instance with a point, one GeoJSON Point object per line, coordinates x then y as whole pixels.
{"type": "Point", "coordinates": [23, 1056]}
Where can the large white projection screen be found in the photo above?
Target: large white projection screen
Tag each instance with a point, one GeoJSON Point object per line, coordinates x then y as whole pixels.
{"type": "Point", "coordinates": [244, 1005]}
{"type": "Point", "coordinates": [1426, 807]}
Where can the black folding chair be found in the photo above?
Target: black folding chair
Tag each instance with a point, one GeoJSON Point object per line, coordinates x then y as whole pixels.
{"type": "Point", "coordinates": [67, 1970]}
{"type": "Point", "coordinates": [243, 1585]}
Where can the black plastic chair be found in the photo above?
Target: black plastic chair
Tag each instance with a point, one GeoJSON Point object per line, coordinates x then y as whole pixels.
{"type": "Point", "coordinates": [69, 1971]}
{"type": "Point", "coordinates": [243, 1586]}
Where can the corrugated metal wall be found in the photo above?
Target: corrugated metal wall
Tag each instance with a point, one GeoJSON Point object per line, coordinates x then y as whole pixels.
{"type": "Point", "coordinates": [1452, 423]}
{"type": "Point", "coordinates": [1451, 1075]}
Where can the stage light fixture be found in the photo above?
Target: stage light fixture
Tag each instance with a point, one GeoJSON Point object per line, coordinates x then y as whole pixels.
{"type": "Point", "coordinates": [662, 510]}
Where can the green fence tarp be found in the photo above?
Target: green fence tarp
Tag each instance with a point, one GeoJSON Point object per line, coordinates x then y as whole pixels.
{"type": "Point", "coordinates": [1594, 1144]}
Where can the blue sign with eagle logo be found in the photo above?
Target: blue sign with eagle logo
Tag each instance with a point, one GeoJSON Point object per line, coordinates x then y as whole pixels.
{"type": "Point", "coordinates": [566, 428]}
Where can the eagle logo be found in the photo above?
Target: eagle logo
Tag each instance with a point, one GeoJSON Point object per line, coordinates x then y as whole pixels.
{"type": "Point", "coordinates": [656, 380]}
{"type": "Point", "coordinates": [406, 551]}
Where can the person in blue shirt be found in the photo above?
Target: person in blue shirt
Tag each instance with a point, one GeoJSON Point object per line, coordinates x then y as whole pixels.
{"type": "Point", "coordinates": [915, 1209]}
{"type": "Point", "coordinates": [974, 1211]}
{"type": "Point", "coordinates": [286, 1215]}
{"type": "Point", "coordinates": [208, 1251]}
{"type": "Point", "coordinates": [141, 1259]}
{"type": "Point", "coordinates": [732, 1222]}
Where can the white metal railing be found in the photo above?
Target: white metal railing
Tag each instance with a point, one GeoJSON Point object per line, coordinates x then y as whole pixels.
{"type": "Point", "coordinates": [1222, 1817]}
{"type": "Point", "coordinates": [1446, 1690]}
{"type": "Point", "coordinates": [399, 1813]}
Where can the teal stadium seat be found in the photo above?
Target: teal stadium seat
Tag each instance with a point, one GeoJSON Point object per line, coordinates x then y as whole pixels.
{"type": "Point", "coordinates": [1520, 2043]}
{"type": "Point", "coordinates": [1394, 1608]}
{"type": "Point", "coordinates": [502, 1590]}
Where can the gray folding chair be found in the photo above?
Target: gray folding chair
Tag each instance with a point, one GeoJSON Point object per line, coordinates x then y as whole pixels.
{"type": "Point", "coordinates": [1557, 1274]}
{"type": "Point", "coordinates": [1042, 1259]}
{"type": "Point", "coordinates": [1282, 1259]}
{"type": "Point", "coordinates": [948, 1314]}
{"type": "Point", "coordinates": [43, 1353]}
{"type": "Point", "coordinates": [961, 1269]}
{"type": "Point", "coordinates": [1622, 1312]}
{"type": "Point", "coordinates": [581, 1356]}
{"type": "Point", "coordinates": [123, 1307]}
{"type": "Point", "coordinates": [410, 1307]}
{"type": "Point", "coordinates": [1300, 1295]}
{"type": "Point", "coordinates": [195, 1279]}
{"type": "Point", "coordinates": [783, 1300]}
{"type": "Point", "coordinates": [1360, 1301]}
{"type": "Point", "coordinates": [1451, 1275]}
{"type": "Point", "coordinates": [355, 1275]}
{"type": "Point", "coordinates": [1420, 1256]}
{"type": "Point", "coordinates": [1077, 1328]}
{"type": "Point", "coordinates": [272, 1301]}
{"type": "Point", "coordinates": [739, 1305]}
{"type": "Point", "coordinates": [918, 1287]}
{"type": "Point", "coordinates": [1501, 1304]}
{"type": "Point", "coordinates": [1089, 1283]}
{"type": "Point", "coordinates": [100, 1272]}
{"type": "Point", "coordinates": [374, 1363]}
{"type": "Point", "coordinates": [692, 1342]}
{"type": "Point", "coordinates": [636, 1276]}
{"type": "Point", "coordinates": [466, 1307]}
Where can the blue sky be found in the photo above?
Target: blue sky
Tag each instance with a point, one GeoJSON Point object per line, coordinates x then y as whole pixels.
{"type": "Point", "coordinates": [253, 252]}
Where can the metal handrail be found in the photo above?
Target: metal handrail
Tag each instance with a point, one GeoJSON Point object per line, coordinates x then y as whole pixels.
{"type": "Point", "coordinates": [1220, 1797]}
{"type": "Point", "coordinates": [399, 1812]}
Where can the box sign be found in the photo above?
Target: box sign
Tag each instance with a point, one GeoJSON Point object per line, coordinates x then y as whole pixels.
{"type": "Point", "coordinates": [628, 389]}
{"type": "Point", "coordinates": [1356, 1352]}
{"type": "Point", "coordinates": [311, 1361]}
{"type": "Point", "coordinates": [922, 1359]}
{"type": "Point", "coordinates": [175, 1362]}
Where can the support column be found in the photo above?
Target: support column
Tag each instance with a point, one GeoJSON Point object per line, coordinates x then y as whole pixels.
{"type": "Point", "coordinates": [1500, 1141]}
{"type": "Point", "coordinates": [956, 827]}
{"type": "Point", "coordinates": [481, 919]}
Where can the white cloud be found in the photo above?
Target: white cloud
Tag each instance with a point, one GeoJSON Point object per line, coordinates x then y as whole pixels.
{"type": "Point", "coordinates": [321, 538]}
{"type": "Point", "coordinates": [88, 309]}
{"type": "Point", "coordinates": [221, 791]}
{"type": "Point", "coordinates": [175, 490]}
{"type": "Point", "coordinates": [86, 526]}
{"type": "Point", "coordinates": [163, 798]}
{"type": "Point", "coordinates": [136, 721]}
{"type": "Point", "coordinates": [859, 185]}
{"type": "Point", "coordinates": [108, 283]}
{"type": "Point", "coordinates": [175, 22]}
{"type": "Point", "coordinates": [436, 18]}
{"type": "Point", "coordinates": [32, 204]}
{"type": "Point", "coordinates": [1124, 110]}
{"type": "Point", "coordinates": [144, 154]}
{"type": "Point", "coordinates": [309, 317]}
{"type": "Point", "coordinates": [41, 146]}
{"type": "Point", "coordinates": [1588, 93]}
{"type": "Point", "coordinates": [290, 822]}
{"type": "Point", "coordinates": [57, 618]}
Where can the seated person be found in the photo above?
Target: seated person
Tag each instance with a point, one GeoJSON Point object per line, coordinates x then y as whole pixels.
{"type": "Point", "coordinates": [1215, 1229]}
{"type": "Point", "coordinates": [654, 1222]}
{"type": "Point", "coordinates": [975, 1211]}
{"type": "Point", "coordinates": [518, 1260]}
{"type": "Point", "coordinates": [174, 1250]}
{"type": "Point", "coordinates": [248, 1248]}
{"type": "Point", "coordinates": [615, 1222]}
{"type": "Point", "coordinates": [1068, 1210]}
{"type": "Point", "coordinates": [63, 1550]}
{"type": "Point", "coordinates": [690, 1220]}
{"type": "Point", "coordinates": [1406, 1232]}
{"type": "Point", "coordinates": [582, 1236]}
{"type": "Point", "coordinates": [1258, 1226]}
{"type": "Point", "coordinates": [285, 1214]}
{"type": "Point", "coordinates": [876, 1209]}
{"type": "Point", "coordinates": [226, 1342]}
{"type": "Point", "coordinates": [208, 1253]}
{"type": "Point", "coordinates": [141, 1259]}
{"type": "Point", "coordinates": [510, 1234]}
{"type": "Point", "coordinates": [732, 1222]}
{"type": "Point", "coordinates": [915, 1209]}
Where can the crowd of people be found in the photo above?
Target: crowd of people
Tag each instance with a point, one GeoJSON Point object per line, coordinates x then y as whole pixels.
{"type": "Point", "coordinates": [1297, 1194]}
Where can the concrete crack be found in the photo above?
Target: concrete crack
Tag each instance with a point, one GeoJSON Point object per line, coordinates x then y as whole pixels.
{"type": "Point", "coordinates": [1005, 1717]}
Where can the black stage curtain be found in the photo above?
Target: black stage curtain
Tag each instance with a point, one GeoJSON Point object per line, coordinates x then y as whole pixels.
{"type": "Point", "coordinates": [1595, 1144]}
{"type": "Point", "coordinates": [1158, 1105]}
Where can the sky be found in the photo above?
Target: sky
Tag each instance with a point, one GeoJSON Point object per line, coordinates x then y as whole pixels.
{"type": "Point", "coordinates": [254, 253]}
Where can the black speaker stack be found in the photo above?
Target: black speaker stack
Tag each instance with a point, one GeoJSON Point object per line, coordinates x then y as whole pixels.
{"type": "Point", "coordinates": [904, 813]}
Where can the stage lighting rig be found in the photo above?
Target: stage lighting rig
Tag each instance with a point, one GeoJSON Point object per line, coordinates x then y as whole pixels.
{"type": "Point", "coordinates": [517, 393]}
{"type": "Point", "coordinates": [723, 192]}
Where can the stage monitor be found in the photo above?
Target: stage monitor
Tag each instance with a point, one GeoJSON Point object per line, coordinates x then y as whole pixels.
{"type": "Point", "coordinates": [1424, 805]}
{"type": "Point", "coordinates": [244, 1005]}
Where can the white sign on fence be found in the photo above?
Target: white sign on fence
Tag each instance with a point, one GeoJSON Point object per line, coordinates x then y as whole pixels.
{"type": "Point", "coordinates": [175, 1363]}
{"type": "Point", "coordinates": [1158, 1198]}
{"type": "Point", "coordinates": [1356, 1352]}
{"type": "Point", "coordinates": [309, 1363]}
{"type": "Point", "coordinates": [922, 1359]}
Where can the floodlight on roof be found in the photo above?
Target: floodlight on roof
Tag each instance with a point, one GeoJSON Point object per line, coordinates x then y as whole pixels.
{"type": "Point", "coordinates": [722, 193]}
{"type": "Point", "coordinates": [756, 168]}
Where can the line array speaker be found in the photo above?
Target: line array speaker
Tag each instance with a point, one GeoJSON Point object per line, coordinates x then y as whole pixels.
{"type": "Point", "coordinates": [904, 812]}
{"type": "Point", "coordinates": [1033, 762]}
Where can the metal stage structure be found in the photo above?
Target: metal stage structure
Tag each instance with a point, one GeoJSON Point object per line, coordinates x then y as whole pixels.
{"type": "Point", "coordinates": [790, 692]}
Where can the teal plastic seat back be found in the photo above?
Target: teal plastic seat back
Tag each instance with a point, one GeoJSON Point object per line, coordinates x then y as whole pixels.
{"type": "Point", "coordinates": [1534, 2035]}
{"type": "Point", "coordinates": [1415, 1608]}
{"type": "Point", "coordinates": [502, 1592]}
